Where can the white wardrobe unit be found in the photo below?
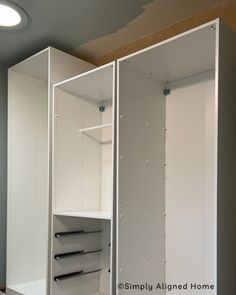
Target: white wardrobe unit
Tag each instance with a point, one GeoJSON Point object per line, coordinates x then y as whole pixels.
{"type": "Point", "coordinates": [29, 144]}
{"type": "Point", "coordinates": [83, 193]}
{"type": "Point", "coordinates": [176, 164]}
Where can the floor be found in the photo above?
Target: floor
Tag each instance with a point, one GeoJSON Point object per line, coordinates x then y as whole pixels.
{"type": "Point", "coordinates": [31, 288]}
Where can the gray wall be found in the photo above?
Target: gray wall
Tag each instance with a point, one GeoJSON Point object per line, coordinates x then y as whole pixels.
{"type": "Point", "coordinates": [3, 172]}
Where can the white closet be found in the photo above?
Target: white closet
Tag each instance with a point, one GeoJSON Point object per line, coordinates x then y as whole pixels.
{"type": "Point", "coordinates": [83, 193]}
{"type": "Point", "coordinates": [29, 156]}
{"type": "Point", "coordinates": [105, 195]}
{"type": "Point", "coordinates": [176, 163]}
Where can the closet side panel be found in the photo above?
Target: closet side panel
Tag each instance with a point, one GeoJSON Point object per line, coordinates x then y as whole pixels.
{"type": "Point", "coordinates": [190, 179]}
{"type": "Point", "coordinates": [77, 157]}
{"type": "Point", "coordinates": [226, 211]}
{"type": "Point", "coordinates": [141, 180]}
{"type": "Point", "coordinates": [107, 169]}
{"type": "Point", "coordinates": [27, 179]}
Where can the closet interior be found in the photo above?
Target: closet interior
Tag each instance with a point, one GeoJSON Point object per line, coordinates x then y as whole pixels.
{"type": "Point", "coordinates": [167, 162]}
{"type": "Point", "coordinates": [83, 207]}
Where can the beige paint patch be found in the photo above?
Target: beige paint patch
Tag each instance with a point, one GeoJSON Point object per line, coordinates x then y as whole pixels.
{"type": "Point", "coordinates": [158, 15]}
{"type": "Point", "coordinates": [226, 12]}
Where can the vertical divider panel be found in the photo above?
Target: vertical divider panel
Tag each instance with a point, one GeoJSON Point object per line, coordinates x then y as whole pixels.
{"type": "Point", "coordinates": [141, 179]}
{"type": "Point", "coordinates": [114, 192]}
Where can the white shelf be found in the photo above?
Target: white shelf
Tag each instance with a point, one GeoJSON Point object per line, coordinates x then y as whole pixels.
{"type": "Point", "coordinates": [30, 288]}
{"type": "Point", "coordinates": [86, 214]}
{"type": "Point", "coordinates": [95, 128]}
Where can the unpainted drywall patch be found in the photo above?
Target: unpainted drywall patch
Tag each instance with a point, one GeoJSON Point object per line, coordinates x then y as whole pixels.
{"type": "Point", "coordinates": [157, 15]}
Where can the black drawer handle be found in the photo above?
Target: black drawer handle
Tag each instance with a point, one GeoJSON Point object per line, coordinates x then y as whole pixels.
{"type": "Point", "coordinates": [74, 253]}
{"type": "Point", "coordinates": [74, 274]}
{"type": "Point", "coordinates": [78, 232]}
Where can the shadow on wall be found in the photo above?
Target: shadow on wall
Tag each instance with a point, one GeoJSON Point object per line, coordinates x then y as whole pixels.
{"type": "Point", "coordinates": [66, 25]}
{"type": "Point", "coordinates": [3, 173]}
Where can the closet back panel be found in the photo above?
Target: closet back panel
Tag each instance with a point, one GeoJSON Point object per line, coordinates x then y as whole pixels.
{"type": "Point", "coordinates": [190, 182]}
{"type": "Point", "coordinates": [27, 217]}
{"type": "Point", "coordinates": [82, 166]}
{"type": "Point", "coordinates": [141, 179]}
{"type": "Point", "coordinates": [77, 158]}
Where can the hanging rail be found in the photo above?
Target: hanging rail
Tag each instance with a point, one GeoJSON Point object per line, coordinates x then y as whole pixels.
{"type": "Point", "coordinates": [95, 127]}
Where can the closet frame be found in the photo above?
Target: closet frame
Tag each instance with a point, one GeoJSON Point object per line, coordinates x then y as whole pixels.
{"type": "Point", "coordinates": [73, 97]}
{"type": "Point", "coordinates": [134, 264]}
{"type": "Point", "coordinates": [29, 166]}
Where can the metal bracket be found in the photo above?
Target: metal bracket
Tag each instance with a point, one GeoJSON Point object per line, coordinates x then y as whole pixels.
{"type": "Point", "coordinates": [166, 91]}
{"type": "Point", "coordinates": [102, 108]}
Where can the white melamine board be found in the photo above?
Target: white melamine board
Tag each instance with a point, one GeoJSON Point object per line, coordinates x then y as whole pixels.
{"type": "Point", "coordinates": [27, 179]}
{"type": "Point", "coordinates": [178, 57]}
{"type": "Point", "coordinates": [106, 162]}
{"type": "Point", "coordinates": [64, 66]}
{"type": "Point", "coordinates": [226, 211]}
{"type": "Point", "coordinates": [190, 178]}
{"type": "Point", "coordinates": [96, 84]}
{"type": "Point", "coordinates": [35, 66]}
{"type": "Point", "coordinates": [141, 179]}
{"type": "Point", "coordinates": [86, 214]}
{"type": "Point", "coordinates": [77, 158]}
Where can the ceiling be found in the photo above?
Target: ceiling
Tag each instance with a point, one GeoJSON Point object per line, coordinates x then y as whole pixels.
{"type": "Point", "coordinates": [65, 24]}
{"type": "Point", "coordinates": [93, 28]}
